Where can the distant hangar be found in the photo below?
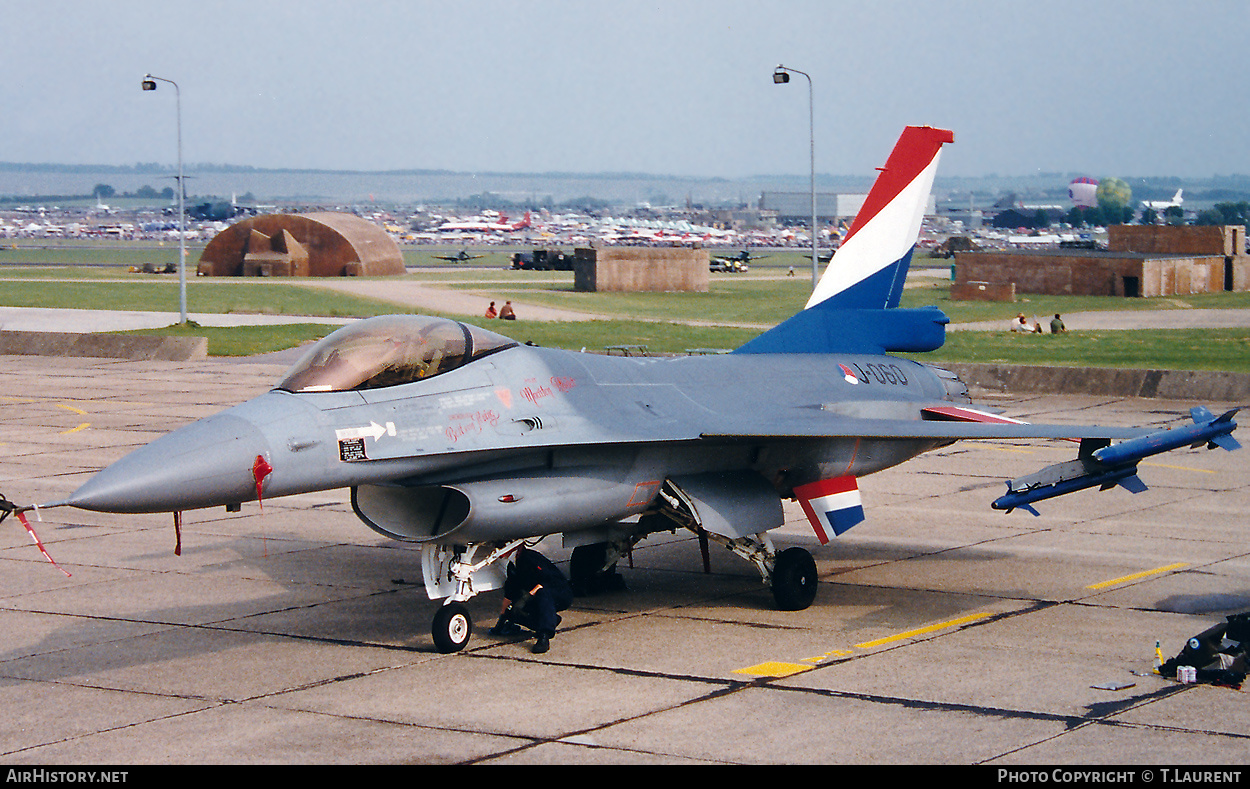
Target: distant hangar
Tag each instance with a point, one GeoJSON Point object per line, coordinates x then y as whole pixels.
{"type": "Point", "coordinates": [830, 206]}
{"type": "Point", "coordinates": [318, 244]}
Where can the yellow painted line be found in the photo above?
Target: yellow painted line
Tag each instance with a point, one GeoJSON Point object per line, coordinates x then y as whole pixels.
{"type": "Point", "coordinates": [773, 669]}
{"type": "Point", "coordinates": [922, 631]}
{"type": "Point", "coordinates": [1180, 468]}
{"type": "Point", "coordinates": [830, 654]}
{"type": "Point", "coordinates": [126, 403]}
{"type": "Point", "coordinates": [782, 669]}
{"type": "Point", "coordinates": [1135, 576]}
{"type": "Point", "coordinates": [80, 412]}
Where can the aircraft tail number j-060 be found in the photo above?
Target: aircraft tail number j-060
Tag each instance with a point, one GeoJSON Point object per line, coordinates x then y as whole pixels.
{"type": "Point", "coordinates": [466, 442]}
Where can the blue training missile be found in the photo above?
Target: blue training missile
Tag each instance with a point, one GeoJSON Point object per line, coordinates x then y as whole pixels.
{"type": "Point", "coordinates": [1107, 465]}
{"type": "Point", "coordinates": [1206, 429]}
{"type": "Point", "coordinates": [1024, 491]}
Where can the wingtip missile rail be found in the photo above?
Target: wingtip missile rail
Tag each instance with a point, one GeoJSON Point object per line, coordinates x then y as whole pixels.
{"type": "Point", "coordinates": [1105, 465]}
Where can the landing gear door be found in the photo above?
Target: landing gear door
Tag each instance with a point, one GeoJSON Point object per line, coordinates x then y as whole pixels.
{"type": "Point", "coordinates": [460, 573]}
{"type": "Point", "coordinates": [733, 504]}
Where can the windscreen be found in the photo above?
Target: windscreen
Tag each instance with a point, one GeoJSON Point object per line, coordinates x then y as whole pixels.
{"type": "Point", "coordinates": [387, 351]}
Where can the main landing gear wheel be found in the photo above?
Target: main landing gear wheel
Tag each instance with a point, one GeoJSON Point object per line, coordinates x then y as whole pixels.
{"type": "Point", "coordinates": [587, 574]}
{"type": "Point", "coordinates": [794, 579]}
{"type": "Point", "coordinates": [586, 566]}
{"type": "Point", "coordinates": [452, 627]}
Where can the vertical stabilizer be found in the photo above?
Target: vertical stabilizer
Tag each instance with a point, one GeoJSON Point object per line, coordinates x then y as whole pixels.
{"type": "Point", "coordinates": [852, 308]}
{"type": "Point", "coordinates": [871, 264]}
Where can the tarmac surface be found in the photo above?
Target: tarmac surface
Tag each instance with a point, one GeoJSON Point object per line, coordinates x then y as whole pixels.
{"type": "Point", "coordinates": [942, 632]}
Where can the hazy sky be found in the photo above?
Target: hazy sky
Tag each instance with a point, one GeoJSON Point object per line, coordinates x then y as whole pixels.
{"type": "Point", "coordinates": [681, 87]}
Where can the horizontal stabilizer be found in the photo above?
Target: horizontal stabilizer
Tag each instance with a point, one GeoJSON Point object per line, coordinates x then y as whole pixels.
{"type": "Point", "coordinates": [827, 329]}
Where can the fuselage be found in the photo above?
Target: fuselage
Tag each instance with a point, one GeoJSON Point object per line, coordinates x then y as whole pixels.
{"type": "Point", "coordinates": [529, 440]}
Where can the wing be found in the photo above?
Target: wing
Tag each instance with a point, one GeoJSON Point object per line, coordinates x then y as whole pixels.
{"type": "Point", "coordinates": [936, 422]}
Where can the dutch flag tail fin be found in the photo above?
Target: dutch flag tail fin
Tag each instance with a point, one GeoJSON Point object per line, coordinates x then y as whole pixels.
{"type": "Point", "coordinates": [866, 275]}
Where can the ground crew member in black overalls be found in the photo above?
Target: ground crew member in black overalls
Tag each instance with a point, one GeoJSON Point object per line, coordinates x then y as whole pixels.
{"type": "Point", "coordinates": [534, 592]}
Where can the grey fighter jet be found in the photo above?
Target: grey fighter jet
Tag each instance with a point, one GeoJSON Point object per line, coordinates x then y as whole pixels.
{"type": "Point", "coordinates": [460, 257]}
{"type": "Point", "coordinates": [467, 443]}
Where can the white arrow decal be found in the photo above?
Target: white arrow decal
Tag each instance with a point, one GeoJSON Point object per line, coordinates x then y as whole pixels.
{"type": "Point", "coordinates": [374, 431]}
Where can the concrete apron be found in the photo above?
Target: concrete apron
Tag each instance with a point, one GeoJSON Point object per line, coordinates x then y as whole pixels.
{"type": "Point", "coordinates": [109, 346]}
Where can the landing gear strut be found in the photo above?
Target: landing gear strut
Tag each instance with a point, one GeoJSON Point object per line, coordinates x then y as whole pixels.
{"type": "Point", "coordinates": [791, 574]}
{"type": "Point", "coordinates": [592, 568]}
{"type": "Point", "coordinates": [458, 573]}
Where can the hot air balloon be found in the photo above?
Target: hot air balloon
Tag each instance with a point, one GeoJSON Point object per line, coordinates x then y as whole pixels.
{"type": "Point", "coordinates": [1083, 191]}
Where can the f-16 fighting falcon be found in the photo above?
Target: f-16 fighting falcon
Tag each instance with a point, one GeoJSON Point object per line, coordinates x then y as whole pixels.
{"type": "Point", "coordinates": [469, 444]}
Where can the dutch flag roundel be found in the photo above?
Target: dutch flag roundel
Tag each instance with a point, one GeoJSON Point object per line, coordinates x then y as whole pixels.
{"type": "Point", "coordinates": [847, 374]}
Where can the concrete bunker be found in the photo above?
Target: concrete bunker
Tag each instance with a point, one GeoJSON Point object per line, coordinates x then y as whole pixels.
{"type": "Point", "coordinates": [319, 244]}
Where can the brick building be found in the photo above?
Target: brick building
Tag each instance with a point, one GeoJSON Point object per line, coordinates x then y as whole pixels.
{"type": "Point", "coordinates": [641, 269]}
{"type": "Point", "coordinates": [1141, 260]}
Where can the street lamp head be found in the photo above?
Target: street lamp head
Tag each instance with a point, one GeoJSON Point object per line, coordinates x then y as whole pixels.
{"type": "Point", "coordinates": [780, 75]}
{"type": "Point", "coordinates": [148, 82]}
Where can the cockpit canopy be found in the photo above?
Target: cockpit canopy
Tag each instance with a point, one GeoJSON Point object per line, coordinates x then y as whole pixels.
{"type": "Point", "coordinates": [389, 350]}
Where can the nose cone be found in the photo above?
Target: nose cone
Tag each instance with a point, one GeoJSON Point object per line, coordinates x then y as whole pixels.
{"type": "Point", "coordinates": [207, 463]}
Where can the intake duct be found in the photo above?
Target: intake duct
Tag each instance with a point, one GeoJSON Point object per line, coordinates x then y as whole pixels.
{"type": "Point", "coordinates": [487, 510]}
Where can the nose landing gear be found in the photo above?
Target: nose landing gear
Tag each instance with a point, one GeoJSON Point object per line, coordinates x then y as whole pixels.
{"type": "Point", "coordinates": [452, 627]}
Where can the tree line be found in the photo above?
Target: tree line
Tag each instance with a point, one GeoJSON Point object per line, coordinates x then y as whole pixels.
{"type": "Point", "coordinates": [145, 192]}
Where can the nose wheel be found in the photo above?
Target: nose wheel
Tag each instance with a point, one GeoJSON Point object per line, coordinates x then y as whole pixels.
{"type": "Point", "coordinates": [452, 628]}
{"type": "Point", "coordinates": [457, 573]}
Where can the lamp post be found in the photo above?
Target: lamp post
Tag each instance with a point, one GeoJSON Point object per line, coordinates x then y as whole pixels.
{"type": "Point", "coordinates": [149, 83]}
{"type": "Point", "coordinates": [781, 75]}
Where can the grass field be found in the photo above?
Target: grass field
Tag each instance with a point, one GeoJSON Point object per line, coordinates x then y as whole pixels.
{"type": "Point", "coordinates": [247, 340]}
{"type": "Point", "coordinates": [664, 322]}
{"type": "Point", "coordinates": [153, 293]}
{"type": "Point", "coordinates": [1162, 349]}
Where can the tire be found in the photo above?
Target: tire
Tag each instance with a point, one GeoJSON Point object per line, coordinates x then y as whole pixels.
{"type": "Point", "coordinates": [794, 579]}
{"type": "Point", "coordinates": [586, 573]}
{"type": "Point", "coordinates": [584, 567]}
{"type": "Point", "coordinates": [452, 628]}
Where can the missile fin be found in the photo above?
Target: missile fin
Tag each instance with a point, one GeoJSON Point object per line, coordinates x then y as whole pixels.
{"type": "Point", "coordinates": [1226, 442]}
{"type": "Point", "coordinates": [1133, 484]}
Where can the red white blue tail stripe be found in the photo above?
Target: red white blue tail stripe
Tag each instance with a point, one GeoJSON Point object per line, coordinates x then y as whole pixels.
{"type": "Point", "coordinates": [832, 505]}
{"type": "Point", "coordinates": [853, 308]}
{"type": "Point", "coordinates": [877, 249]}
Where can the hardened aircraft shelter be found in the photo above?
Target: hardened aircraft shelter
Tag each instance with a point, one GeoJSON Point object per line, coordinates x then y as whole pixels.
{"type": "Point", "coordinates": [319, 244]}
